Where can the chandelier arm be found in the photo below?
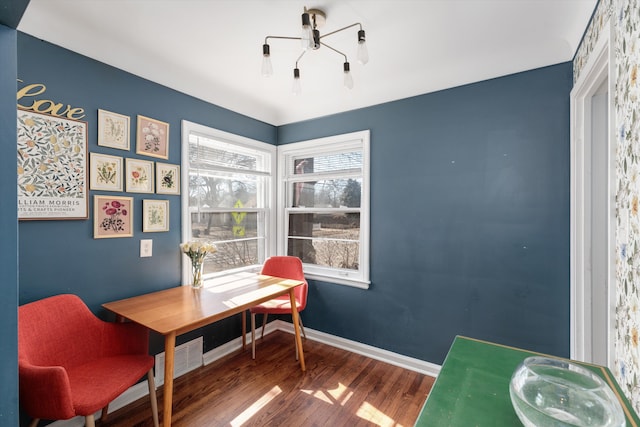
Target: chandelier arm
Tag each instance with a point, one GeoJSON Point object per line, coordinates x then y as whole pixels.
{"type": "Point", "coordinates": [341, 29]}
{"type": "Point", "coordinates": [300, 57]}
{"type": "Point", "coordinates": [281, 37]}
{"type": "Point", "coordinates": [335, 50]}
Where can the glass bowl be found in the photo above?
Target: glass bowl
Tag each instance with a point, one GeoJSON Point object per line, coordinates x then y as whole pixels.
{"type": "Point", "coordinates": [552, 393]}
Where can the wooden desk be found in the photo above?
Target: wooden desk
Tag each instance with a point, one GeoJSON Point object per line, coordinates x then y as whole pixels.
{"type": "Point", "coordinates": [174, 311]}
{"type": "Point", "coordinates": [472, 388]}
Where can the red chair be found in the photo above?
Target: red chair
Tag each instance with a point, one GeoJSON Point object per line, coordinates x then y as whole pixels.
{"type": "Point", "coordinates": [72, 363]}
{"type": "Point", "coordinates": [288, 267]}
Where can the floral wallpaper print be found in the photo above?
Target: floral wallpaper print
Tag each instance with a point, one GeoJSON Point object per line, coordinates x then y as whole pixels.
{"type": "Point", "coordinates": [624, 15]}
{"type": "Point", "coordinates": [51, 166]}
{"type": "Point", "coordinates": [591, 35]}
{"type": "Point", "coordinates": [626, 19]}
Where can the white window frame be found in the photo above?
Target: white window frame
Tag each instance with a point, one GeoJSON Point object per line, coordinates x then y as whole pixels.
{"type": "Point", "coordinates": [269, 194]}
{"type": "Point", "coordinates": [337, 143]}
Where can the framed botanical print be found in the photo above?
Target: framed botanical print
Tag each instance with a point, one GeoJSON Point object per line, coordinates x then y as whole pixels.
{"type": "Point", "coordinates": [167, 178]}
{"type": "Point", "coordinates": [155, 215]}
{"type": "Point", "coordinates": [106, 172]}
{"type": "Point", "coordinates": [52, 167]}
{"type": "Point", "coordinates": [112, 216]}
{"type": "Point", "coordinates": [139, 176]}
{"type": "Point", "coordinates": [113, 130]}
{"type": "Point", "coordinates": [152, 138]}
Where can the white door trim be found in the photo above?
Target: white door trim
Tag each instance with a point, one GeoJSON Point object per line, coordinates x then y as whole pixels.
{"type": "Point", "coordinates": [599, 68]}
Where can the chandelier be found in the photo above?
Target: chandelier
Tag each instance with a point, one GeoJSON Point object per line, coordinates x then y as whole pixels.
{"type": "Point", "coordinates": [311, 39]}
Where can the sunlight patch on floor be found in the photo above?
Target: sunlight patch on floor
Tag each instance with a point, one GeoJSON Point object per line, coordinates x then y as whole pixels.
{"type": "Point", "coordinates": [255, 407]}
{"type": "Point", "coordinates": [332, 396]}
{"type": "Point", "coordinates": [341, 394]}
{"type": "Point", "coordinates": [371, 413]}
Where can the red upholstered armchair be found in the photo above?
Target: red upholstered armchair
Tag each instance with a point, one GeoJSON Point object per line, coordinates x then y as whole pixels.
{"type": "Point", "coordinates": [288, 267]}
{"type": "Point", "coordinates": [72, 363]}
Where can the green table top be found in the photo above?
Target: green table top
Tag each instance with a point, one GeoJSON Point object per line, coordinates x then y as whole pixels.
{"type": "Point", "coordinates": [472, 388]}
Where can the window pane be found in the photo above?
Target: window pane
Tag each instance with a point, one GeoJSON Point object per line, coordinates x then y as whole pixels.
{"type": "Point", "coordinates": [331, 162]}
{"type": "Point", "coordinates": [330, 193]}
{"type": "Point", "coordinates": [325, 225]}
{"type": "Point", "coordinates": [233, 254]}
{"type": "Point", "coordinates": [205, 153]}
{"type": "Point", "coordinates": [224, 190]}
{"type": "Point", "coordinates": [330, 240]}
{"type": "Point", "coordinates": [326, 252]}
{"type": "Point", "coordinates": [234, 233]}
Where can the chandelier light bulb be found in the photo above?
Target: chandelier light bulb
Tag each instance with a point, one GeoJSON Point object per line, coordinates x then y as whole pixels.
{"type": "Point", "coordinates": [363, 52]}
{"type": "Point", "coordinates": [296, 88]}
{"type": "Point", "coordinates": [306, 37]}
{"type": "Point", "coordinates": [348, 79]}
{"type": "Point", "coordinates": [267, 68]}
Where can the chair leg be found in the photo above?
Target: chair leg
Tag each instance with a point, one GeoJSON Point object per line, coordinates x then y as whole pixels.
{"type": "Point", "coordinates": [152, 396]}
{"type": "Point", "coordinates": [301, 326]}
{"type": "Point", "coordinates": [105, 413]}
{"type": "Point", "coordinates": [303, 334]}
{"type": "Point", "coordinates": [264, 324]}
{"type": "Point", "coordinates": [253, 335]}
{"type": "Point", "coordinates": [35, 422]}
{"type": "Point", "coordinates": [244, 330]}
{"type": "Point", "coordinates": [90, 421]}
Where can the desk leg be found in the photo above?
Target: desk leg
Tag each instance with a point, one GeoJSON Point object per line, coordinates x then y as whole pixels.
{"type": "Point", "coordinates": [169, 353]}
{"type": "Point", "coordinates": [296, 326]}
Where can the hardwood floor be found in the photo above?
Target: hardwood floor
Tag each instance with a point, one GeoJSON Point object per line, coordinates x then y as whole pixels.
{"type": "Point", "coordinates": [339, 388]}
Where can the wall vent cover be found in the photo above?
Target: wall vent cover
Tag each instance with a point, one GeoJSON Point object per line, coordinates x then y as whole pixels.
{"type": "Point", "coordinates": [188, 357]}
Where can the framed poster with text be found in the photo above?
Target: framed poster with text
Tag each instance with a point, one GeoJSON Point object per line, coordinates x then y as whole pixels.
{"type": "Point", "coordinates": [52, 167]}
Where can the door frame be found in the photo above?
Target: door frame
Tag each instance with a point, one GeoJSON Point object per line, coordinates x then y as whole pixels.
{"type": "Point", "coordinates": [599, 68]}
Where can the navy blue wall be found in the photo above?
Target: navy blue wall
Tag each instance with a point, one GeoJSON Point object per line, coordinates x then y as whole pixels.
{"type": "Point", "coordinates": [8, 230]}
{"type": "Point", "coordinates": [63, 256]}
{"type": "Point", "coordinates": [469, 218]}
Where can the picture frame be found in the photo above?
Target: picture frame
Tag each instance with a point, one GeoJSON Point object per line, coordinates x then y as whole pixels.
{"type": "Point", "coordinates": [106, 172]}
{"type": "Point", "coordinates": [155, 215]}
{"type": "Point", "coordinates": [139, 176]}
{"type": "Point", "coordinates": [152, 137]}
{"type": "Point", "coordinates": [113, 130]}
{"type": "Point", "coordinates": [112, 216]}
{"type": "Point", "coordinates": [167, 178]}
{"type": "Point", "coordinates": [52, 167]}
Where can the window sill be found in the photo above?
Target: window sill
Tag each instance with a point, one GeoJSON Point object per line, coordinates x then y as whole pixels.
{"type": "Point", "coordinates": [339, 280]}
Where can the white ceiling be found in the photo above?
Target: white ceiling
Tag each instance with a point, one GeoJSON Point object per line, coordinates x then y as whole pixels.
{"type": "Point", "coordinates": [212, 49]}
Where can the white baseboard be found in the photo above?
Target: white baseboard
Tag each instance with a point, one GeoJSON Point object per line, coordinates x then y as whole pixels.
{"type": "Point", "coordinates": [376, 353]}
{"type": "Point", "coordinates": [141, 389]}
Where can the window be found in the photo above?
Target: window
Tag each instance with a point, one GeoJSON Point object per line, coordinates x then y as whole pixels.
{"type": "Point", "coordinates": [227, 198]}
{"type": "Point", "coordinates": [324, 200]}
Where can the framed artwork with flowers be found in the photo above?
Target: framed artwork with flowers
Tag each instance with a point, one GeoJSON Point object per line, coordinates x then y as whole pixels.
{"type": "Point", "coordinates": [155, 215]}
{"type": "Point", "coordinates": [112, 216]}
{"type": "Point", "coordinates": [167, 178]}
{"type": "Point", "coordinates": [106, 172]}
{"type": "Point", "coordinates": [152, 137]}
{"type": "Point", "coordinates": [113, 130]}
{"type": "Point", "coordinates": [139, 176]}
{"type": "Point", "coordinates": [52, 167]}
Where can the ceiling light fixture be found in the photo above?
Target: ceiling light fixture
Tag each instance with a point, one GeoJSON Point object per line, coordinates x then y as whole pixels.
{"type": "Point", "coordinates": [311, 39]}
